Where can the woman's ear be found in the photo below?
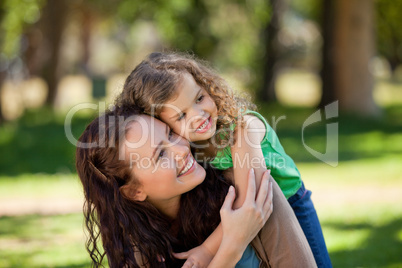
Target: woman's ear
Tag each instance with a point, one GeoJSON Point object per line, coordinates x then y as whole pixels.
{"type": "Point", "coordinates": [133, 192]}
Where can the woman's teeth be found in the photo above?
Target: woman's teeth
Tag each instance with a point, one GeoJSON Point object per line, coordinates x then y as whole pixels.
{"type": "Point", "coordinates": [203, 125]}
{"type": "Point", "coordinates": [188, 166]}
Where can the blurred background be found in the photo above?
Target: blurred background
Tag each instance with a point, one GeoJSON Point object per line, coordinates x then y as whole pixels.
{"type": "Point", "coordinates": [294, 57]}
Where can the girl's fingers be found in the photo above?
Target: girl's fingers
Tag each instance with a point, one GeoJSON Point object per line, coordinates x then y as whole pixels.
{"type": "Point", "coordinates": [181, 255]}
{"type": "Point", "coordinates": [187, 264]}
{"type": "Point", "coordinates": [263, 191]}
{"type": "Point", "coordinates": [161, 259]}
{"type": "Point", "coordinates": [250, 196]}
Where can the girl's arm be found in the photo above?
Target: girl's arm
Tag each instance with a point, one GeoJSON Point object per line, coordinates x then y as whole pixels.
{"type": "Point", "coordinates": [246, 154]}
{"type": "Point", "coordinates": [238, 228]}
{"type": "Point", "coordinates": [203, 254]}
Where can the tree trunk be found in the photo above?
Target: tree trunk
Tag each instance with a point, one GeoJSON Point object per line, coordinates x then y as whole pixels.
{"type": "Point", "coordinates": [350, 51]}
{"type": "Point", "coordinates": [2, 73]}
{"type": "Point", "coordinates": [52, 24]}
{"type": "Point", "coordinates": [272, 52]}
{"type": "Point", "coordinates": [327, 71]}
{"type": "Point", "coordinates": [86, 29]}
{"type": "Point", "coordinates": [2, 78]}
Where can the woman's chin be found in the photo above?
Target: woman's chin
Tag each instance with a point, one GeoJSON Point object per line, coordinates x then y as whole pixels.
{"type": "Point", "coordinates": [197, 176]}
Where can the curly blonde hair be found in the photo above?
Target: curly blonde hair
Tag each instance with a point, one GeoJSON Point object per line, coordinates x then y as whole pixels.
{"type": "Point", "coordinates": [154, 82]}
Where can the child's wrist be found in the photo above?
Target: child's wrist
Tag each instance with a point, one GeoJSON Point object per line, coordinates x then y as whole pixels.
{"type": "Point", "coordinates": [231, 250]}
{"type": "Point", "coordinates": [209, 248]}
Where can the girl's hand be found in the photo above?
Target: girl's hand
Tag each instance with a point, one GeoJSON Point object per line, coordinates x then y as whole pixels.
{"type": "Point", "coordinates": [198, 257]}
{"type": "Point", "coordinates": [241, 225]}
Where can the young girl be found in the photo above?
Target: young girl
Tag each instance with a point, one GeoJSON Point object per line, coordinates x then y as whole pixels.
{"type": "Point", "coordinates": [198, 105]}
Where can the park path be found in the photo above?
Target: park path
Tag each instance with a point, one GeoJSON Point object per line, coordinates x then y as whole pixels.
{"type": "Point", "coordinates": [323, 198]}
{"type": "Point", "coordinates": [44, 206]}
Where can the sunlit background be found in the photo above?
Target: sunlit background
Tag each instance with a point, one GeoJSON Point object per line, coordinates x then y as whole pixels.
{"type": "Point", "coordinates": [293, 57]}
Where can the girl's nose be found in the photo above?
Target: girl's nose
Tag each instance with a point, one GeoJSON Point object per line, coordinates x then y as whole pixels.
{"type": "Point", "coordinates": [200, 111]}
{"type": "Point", "coordinates": [197, 116]}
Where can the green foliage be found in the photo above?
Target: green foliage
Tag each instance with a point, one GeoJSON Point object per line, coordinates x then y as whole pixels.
{"type": "Point", "coordinates": [17, 15]}
{"type": "Point", "coordinates": [310, 9]}
{"type": "Point", "coordinates": [226, 33]}
{"type": "Point", "coordinates": [389, 36]}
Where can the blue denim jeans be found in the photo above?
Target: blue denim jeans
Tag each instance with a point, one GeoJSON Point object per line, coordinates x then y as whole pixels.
{"type": "Point", "coordinates": [303, 207]}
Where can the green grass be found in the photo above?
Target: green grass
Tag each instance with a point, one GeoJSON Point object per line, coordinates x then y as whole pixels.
{"type": "Point", "coordinates": [357, 201]}
{"type": "Point", "coordinates": [36, 143]}
{"type": "Point", "coordinates": [364, 236]}
{"type": "Point", "coordinates": [42, 241]}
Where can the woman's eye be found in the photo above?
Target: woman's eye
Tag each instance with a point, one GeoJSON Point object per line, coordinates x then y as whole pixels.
{"type": "Point", "coordinates": [170, 134]}
{"type": "Point", "coordinates": [200, 98]}
{"type": "Point", "coordinates": [161, 154]}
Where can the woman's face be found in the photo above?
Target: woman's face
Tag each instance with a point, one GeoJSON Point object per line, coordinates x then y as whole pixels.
{"type": "Point", "coordinates": [161, 161]}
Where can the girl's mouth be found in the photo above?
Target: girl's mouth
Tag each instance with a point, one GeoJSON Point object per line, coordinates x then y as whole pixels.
{"type": "Point", "coordinates": [205, 126]}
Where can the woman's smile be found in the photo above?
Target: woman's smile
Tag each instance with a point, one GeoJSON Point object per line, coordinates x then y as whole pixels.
{"type": "Point", "coordinates": [189, 167]}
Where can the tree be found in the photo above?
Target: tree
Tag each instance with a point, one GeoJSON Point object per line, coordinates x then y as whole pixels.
{"type": "Point", "coordinates": [272, 51]}
{"type": "Point", "coordinates": [327, 70]}
{"type": "Point", "coordinates": [2, 74]}
{"type": "Point", "coordinates": [52, 24]}
{"type": "Point", "coordinates": [389, 35]}
{"type": "Point", "coordinates": [348, 49]}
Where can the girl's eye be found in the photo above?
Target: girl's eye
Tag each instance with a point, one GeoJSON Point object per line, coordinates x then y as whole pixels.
{"type": "Point", "coordinates": [200, 98]}
{"type": "Point", "coordinates": [170, 134]}
{"type": "Point", "coordinates": [181, 116]}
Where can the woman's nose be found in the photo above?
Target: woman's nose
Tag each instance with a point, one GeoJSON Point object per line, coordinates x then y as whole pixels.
{"type": "Point", "coordinates": [181, 149]}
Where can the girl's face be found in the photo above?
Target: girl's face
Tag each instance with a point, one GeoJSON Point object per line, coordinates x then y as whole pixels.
{"type": "Point", "coordinates": [193, 113]}
{"type": "Point", "coordinates": [161, 162]}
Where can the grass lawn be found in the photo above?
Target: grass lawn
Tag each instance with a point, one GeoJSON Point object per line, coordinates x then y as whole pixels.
{"type": "Point", "coordinates": [42, 241]}
{"type": "Point", "coordinates": [358, 201]}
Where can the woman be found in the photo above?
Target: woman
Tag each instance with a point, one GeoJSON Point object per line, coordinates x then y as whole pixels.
{"type": "Point", "coordinates": [147, 201]}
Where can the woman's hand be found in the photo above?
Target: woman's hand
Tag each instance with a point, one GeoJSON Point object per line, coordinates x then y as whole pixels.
{"type": "Point", "coordinates": [241, 225]}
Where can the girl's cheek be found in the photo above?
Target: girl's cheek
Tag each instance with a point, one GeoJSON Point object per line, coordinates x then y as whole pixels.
{"type": "Point", "coordinates": [183, 128]}
{"type": "Point", "coordinates": [179, 129]}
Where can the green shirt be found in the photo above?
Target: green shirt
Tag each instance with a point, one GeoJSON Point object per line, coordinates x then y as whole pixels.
{"type": "Point", "coordinates": [283, 168]}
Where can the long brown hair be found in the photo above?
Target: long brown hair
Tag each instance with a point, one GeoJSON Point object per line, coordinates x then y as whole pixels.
{"type": "Point", "coordinates": [154, 81]}
{"type": "Point", "coordinates": [134, 232]}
